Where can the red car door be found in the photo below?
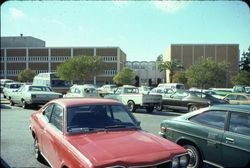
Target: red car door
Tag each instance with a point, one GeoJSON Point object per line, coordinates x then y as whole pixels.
{"type": "Point", "coordinates": [52, 136]}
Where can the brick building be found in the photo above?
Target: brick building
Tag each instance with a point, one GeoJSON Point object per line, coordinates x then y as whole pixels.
{"type": "Point", "coordinates": [190, 54]}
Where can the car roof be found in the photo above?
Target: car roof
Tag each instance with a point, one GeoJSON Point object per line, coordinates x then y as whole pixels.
{"type": "Point", "coordinates": [238, 94]}
{"type": "Point", "coordinates": [238, 108]}
{"type": "Point", "coordinates": [225, 107]}
{"type": "Point", "coordinates": [81, 101]}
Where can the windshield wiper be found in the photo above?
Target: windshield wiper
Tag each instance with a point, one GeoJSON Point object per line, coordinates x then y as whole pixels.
{"type": "Point", "coordinates": [85, 130]}
{"type": "Point", "coordinates": [120, 126]}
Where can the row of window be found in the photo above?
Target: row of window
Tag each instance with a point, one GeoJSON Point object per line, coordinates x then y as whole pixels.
{"type": "Point", "coordinates": [36, 58]}
{"type": "Point", "coordinates": [53, 58]}
{"type": "Point", "coordinates": [109, 58]}
{"type": "Point", "coordinates": [149, 66]}
{"type": "Point", "coordinates": [16, 72]}
{"type": "Point", "coordinates": [110, 72]}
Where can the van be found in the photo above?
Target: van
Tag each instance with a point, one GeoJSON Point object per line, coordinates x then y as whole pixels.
{"type": "Point", "coordinates": [174, 86]}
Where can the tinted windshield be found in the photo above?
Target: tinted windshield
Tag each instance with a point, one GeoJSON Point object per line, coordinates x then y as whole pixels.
{"type": "Point", "coordinates": [59, 83]}
{"type": "Point", "coordinates": [92, 117]}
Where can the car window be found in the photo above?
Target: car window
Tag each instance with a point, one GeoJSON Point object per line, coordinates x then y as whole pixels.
{"type": "Point", "coordinates": [118, 113]}
{"type": "Point", "coordinates": [231, 97]}
{"type": "Point", "coordinates": [77, 90]}
{"type": "Point", "coordinates": [240, 123]}
{"type": "Point", "coordinates": [47, 112]}
{"type": "Point", "coordinates": [240, 97]}
{"type": "Point", "coordinates": [211, 118]}
{"type": "Point", "coordinates": [72, 90]}
{"type": "Point", "coordinates": [57, 117]}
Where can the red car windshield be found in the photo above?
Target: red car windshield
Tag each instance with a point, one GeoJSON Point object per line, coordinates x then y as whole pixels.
{"type": "Point", "coordinates": [87, 118]}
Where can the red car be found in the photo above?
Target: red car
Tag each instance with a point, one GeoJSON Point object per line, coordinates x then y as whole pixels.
{"type": "Point", "coordinates": [98, 133]}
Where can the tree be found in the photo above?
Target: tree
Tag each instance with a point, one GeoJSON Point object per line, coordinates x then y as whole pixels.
{"type": "Point", "coordinates": [26, 75]}
{"type": "Point", "coordinates": [80, 68]}
{"type": "Point", "coordinates": [172, 66]}
{"type": "Point", "coordinates": [180, 77]}
{"type": "Point", "coordinates": [242, 78]}
{"type": "Point", "coordinates": [125, 77]}
{"type": "Point", "coordinates": [245, 61]}
{"type": "Point", "coordinates": [206, 73]}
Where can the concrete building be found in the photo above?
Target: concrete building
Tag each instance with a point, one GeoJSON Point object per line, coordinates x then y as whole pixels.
{"type": "Point", "coordinates": [21, 41]}
{"type": "Point", "coordinates": [46, 59]}
{"type": "Point", "coordinates": [191, 54]}
{"type": "Point", "coordinates": [147, 71]}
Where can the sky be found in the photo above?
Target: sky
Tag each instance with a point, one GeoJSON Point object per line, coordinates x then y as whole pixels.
{"type": "Point", "coordinates": [142, 29]}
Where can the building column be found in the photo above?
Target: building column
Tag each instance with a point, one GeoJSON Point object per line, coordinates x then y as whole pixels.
{"type": "Point", "coordinates": [71, 52]}
{"type": "Point", "coordinates": [182, 55]}
{"type": "Point", "coordinates": [49, 60]}
{"type": "Point", "coordinates": [192, 54]}
{"type": "Point", "coordinates": [5, 63]}
{"type": "Point", "coordinates": [27, 58]}
{"type": "Point", "coordinates": [118, 59]}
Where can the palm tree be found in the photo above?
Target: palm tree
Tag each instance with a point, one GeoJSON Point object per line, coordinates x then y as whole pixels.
{"type": "Point", "coordinates": [172, 66]}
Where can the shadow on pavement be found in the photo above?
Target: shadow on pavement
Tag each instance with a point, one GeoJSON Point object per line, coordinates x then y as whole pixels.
{"type": "Point", "coordinates": [3, 106]}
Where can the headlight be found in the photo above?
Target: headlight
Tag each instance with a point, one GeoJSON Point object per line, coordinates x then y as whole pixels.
{"type": "Point", "coordinates": [184, 160]}
{"type": "Point", "coordinates": [175, 162]}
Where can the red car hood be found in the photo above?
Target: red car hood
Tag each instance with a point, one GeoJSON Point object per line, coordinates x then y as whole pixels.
{"type": "Point", "coordinates": [127, 148]}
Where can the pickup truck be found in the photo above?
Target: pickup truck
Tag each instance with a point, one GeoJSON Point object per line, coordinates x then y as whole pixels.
{"type": "Point", "coordinates": [130, 96]}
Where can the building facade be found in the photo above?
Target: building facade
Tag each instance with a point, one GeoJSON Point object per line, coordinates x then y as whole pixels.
{"type": "Point", "coordinates": [46, 59]}
{"type": "Point", "coordinates": [147, 71]}
{"type": "Point", "coordinates": [191, 54]}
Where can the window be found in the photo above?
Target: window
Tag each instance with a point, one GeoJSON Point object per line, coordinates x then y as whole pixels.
{"type": "Point", "coordinates": [77, 90]}
{"type": "Point", "coordinates": [240, 123]}
{"type": "Point", "coordinates": [47, 112]}
{"type": "Point", "coordinates": [57, 117]}
{"type": "Point", "coordinates": [211, 118]}
{"type": "Point", "coordinates": [231, 97]}
{"type": "Point", "coordinates": [240, 97]}
{"type": "Point", "coordinates": [118, 113]}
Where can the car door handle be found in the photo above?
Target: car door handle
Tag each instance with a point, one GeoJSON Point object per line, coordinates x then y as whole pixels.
{"type": "Point", "coordinates": [229, 140]}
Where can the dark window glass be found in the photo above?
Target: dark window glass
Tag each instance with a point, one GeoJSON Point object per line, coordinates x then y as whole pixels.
{"type": "Point", "coordinates": [211, 118]}
{"type": "Point", "coordinates": [240, 123]}
{"type": "Point", "coordinates": [240, 97]}
{"type": "Point", "coordinates": [47, 112]}
{"type": "Point", "coordinates": [57, 117]}
{"type": "Point", "coordinates": [98, 117]}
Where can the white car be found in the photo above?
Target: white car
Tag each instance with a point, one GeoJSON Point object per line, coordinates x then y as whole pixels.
{"type": "Point", "coordinates": [28, 95]}
{"type": "Point", "coordinates": [107, 89]}
{"type": "Point", "coordinates": [130, 96]}
{"type": "Point", "coordinates": [86, 90]}
{"type": "Point", "coordinates": [10, 87]}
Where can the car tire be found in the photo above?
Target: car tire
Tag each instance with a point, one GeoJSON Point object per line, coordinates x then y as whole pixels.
{"type": "Point", "coordinates": [11, 103]}
{"type": "Point", "coordinates": [150, 109]}
{"type": "Point", "coordinates": [192, 108]}
{"type": "Point", "coordinates": [131, 106]}
{"type": "Point", "coordinates": [38, 154]}
{"type": "Point", "coordinates": [24, 104]}
{"type": "Point", "coordinates": [159, 107]}
{"type": "Point", "coordinates": [195, 160]}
